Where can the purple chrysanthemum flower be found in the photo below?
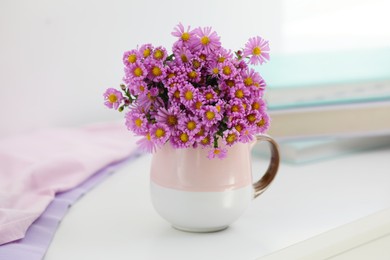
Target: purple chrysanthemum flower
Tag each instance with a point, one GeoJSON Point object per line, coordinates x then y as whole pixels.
{"type": "Point", "coordinates": [253, 117]}
{"type": "Point", "coordinates": [159, 54]}
{"type": "Point", "coordinates": [210, 115]}
{"type": "Point", "coordinates": [219, 153]}
{"type": "Point", "coordinates": [169, 117]}
{"type": "Point", "coordinates": [209, 95]}
{"type": "Point", "coordinates": [231, 137]}
{"type": "Point", "coordinates": [251, 78]}
{"type": "Point", "coordinates": [135, 72]}
{"type": "Point", "coordinates": [263, 124]}
{"type": "Point", "coordinates": [188, 94]}
{"type": "Point", "coordinates": [227, 69]}
{"type": "Point", "coordinates": [182, 55]}
{"type": "Point", "coordinates": [156, 71]}
{"type": "Point", "coordinates": [235, 108]}
{"type": "Point", "coordinates": [146, 50]}
{"type": "Point", "coordinates": [136, 122]}
{"type": "Point", "coordinates": [181, 139]}
{"type": "Point", "coordinates": [190, 125]}
{"type": "Point", "coordinates": [257, 49]}
{"type": "Point", "coordinates": [160, 133]}
{"type": "Point", "coordinates": [130, 57]}
{"type": "Point", "coordinates": [113, 98]}
{"type": "Point", "coordinates": [183, 35]}
{"type": "Point", "coordinates": [206, 40]}
{"type": "Point", "coordinates": [239, 92]}
{"type": "Point", "coordinates": [258, 104]}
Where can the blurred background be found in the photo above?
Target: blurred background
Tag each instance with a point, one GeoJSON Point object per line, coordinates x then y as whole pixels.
{"type": "Point", "coordinates": [58, 56]}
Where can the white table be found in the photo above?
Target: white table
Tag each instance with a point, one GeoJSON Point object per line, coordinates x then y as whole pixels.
{"type": "Point", "coordinates": [116, 219]}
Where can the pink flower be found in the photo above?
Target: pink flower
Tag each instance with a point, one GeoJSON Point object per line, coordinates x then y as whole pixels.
{"type": "Point", "coordinates": [169, 117]}
{"type": "Point", "coordinates": [156, 71]}
{"type": "Point", "coordinates": [113, 98]}
{"type": "Point", "coordinates": [130, 57]}
{"type": "Point", "coordinates": [137, 122]}
{"type": "Point", "coordinates": [181, 139]}
{"type": "Point", "coordinates": [257, 49]}
{"type": "Point", "coordinates": [135, 72]}
{"type": "Point", "coordinates": [220, 153]}
{"type": "Point", "coordinates": [159, 54]}
{"type": "Point", "coordinates": [146, 51]}
{"type": "Point", "coordinates": [188, 94]}
{"type": "Point", "coordinates": [182, 34]}
{"type": "Point", "coordinates": [263, 124]}
{"type": "Point", "coordinates": [160, 133]}
{"type": "Point", "coordinates": [206, 40]}
{"type": "Point", "coordinates": [231, 137]}
{"type": "Point", "coordinates": [210, 115]}
{"type": "Point", "coordinates": [190, 125]}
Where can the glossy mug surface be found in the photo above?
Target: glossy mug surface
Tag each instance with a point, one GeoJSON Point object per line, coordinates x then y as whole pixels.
{"type": "Point", "coordinates": [197, 194]}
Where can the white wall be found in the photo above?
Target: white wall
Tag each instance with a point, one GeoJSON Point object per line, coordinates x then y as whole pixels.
{"type": "Point", "coordinates": [58, 56]}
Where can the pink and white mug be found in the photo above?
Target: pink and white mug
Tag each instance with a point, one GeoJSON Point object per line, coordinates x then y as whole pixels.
{"type": "Point", "coordinates": [198, 194]}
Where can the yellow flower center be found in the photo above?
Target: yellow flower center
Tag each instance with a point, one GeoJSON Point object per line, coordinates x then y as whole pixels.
{"type": "Point", "coordinates": [148, 136]}
{"type": "Point", "coordinates": [217, 151]}
{"type": "Point", "coordinates": [196, 64]}
{"type": "Point", "coordinates": [218, 107]}
{"type": "Point", "coordinates": [142, 88]}
{"type": "Point", "coordinates": [184, 137]}
{"type": "Point", "coordinates": [256, 51]}
{"type": "Point", "coordinates": [185, 36]}
{"type": "Point", "coordinates": [230, 83]}
{"type": "Point", "coordinates": [235, 108]}
{"type": "Point", "coordinates": [205, 140]}
{"type": "Point", "coordinates": [192, 74]}
{"type": "Point", "coordinates": [226, 70]}
{"type": "Point", "coordinates": [255, 105]}
{"type": "Point", "coordinates": [176, 94]}
{"type": "Point", "coordinates": [132, 58]}
{"type": "Point", "coordinates": [156, 71]}
{"type": "Point", "coordinates": [198, 105]}
{"type": "Point", "coordinates": [221, 59]}
{"type": "Point", "coordinates": [215, 71]}
{"type": "Point", "coordinates": [210, 115]}
{"type": "Point", "coordinates": [203, 57]}
{"type": "Point", "coordinates": [158, 54]}
{"type": "Point", "coordinates": [160, 133]}
{"type": "Point", "coordinates": [146, 53]}
{"type": "Point", "coordinates": [244, 105]}
{"type": "Point", "coordinates": [138, 72]}
{"type": "Point", "coordinates": [209, 96]}
{"type": "Point", "coordinates": [248, 81]}
{"type": "Point", "coordinates": [231, 138]}
{"type": "Point", "coordinates": [172, 120]}
{"type": "Point", "coordinates": [239, 93]}
{"type": "Point", "coordinates": [112, 98]}
{"type": "Point", "coordinates": [138, 122]}
{"type": "Point", "coordinates": [191, 125]}
{"type": "Point", "coordinates": [238, 128]}
{"type": "Point", "coordinates": [251, 118]}
{"type": "Point", "coordinates": [205, 40]}
{"type": "Point", "coordinates": [188, 95]}
{"type": "Point", "coordinates": [171, 75]}
{"type": "Point", "coordinates": [261, 122]}
{"type": "Point", "coordinates": [184, 58]}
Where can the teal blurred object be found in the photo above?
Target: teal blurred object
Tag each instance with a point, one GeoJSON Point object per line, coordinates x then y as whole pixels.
{"type": "Point", "coordinates": [317, 79]}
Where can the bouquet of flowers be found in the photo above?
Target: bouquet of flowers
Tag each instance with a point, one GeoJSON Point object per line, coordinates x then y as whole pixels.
{"type": "Point", "coordinates": [200, 95]}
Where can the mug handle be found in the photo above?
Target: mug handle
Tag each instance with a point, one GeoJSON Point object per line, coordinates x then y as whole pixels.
{"type": "Point", "coordinates": [261, 185]}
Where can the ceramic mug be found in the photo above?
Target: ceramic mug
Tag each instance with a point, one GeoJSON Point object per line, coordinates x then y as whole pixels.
{"type": "Point", "coordinates": [198, 194]}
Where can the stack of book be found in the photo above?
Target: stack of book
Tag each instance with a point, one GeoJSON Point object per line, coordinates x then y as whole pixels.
{"type": "Point", "coordinates": [326, 104]}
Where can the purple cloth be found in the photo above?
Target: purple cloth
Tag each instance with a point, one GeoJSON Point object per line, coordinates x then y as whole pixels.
{"type": "Point", "coordinates": [39, 235]}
